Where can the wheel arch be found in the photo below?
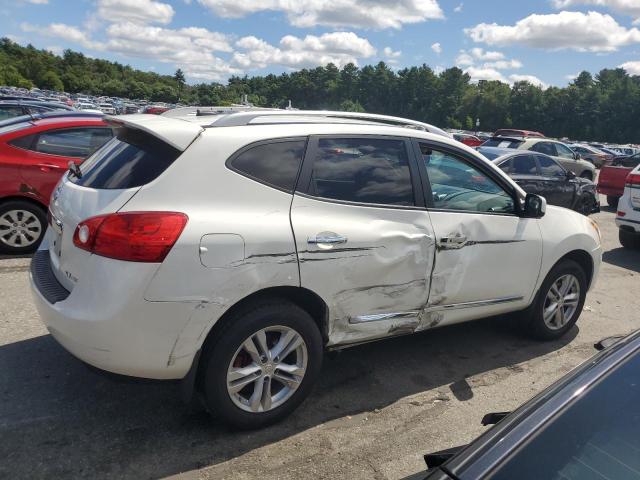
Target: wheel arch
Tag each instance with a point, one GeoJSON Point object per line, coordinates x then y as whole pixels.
{"type": "Point", "coordinates": [304, 298]}
{"type": "Point", "coordinates": [582, 258]}
{"type": "Point", "coordinates": [24, 198]}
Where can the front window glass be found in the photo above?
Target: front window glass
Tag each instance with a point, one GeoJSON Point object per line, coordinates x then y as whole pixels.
{"type": "Point", "coordinates": [549, 167]}
{"type": "Point", "coordinates": [564, 151]}
{"type": "Point", "coordinates": [544, 147]}
{"type": "Point", "coordinates": [456, 185]}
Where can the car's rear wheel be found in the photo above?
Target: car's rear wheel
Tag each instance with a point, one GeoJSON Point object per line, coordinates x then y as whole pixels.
{"type": "Point", "coordinates": [263, 365]}
{"type": "Point", "coordinates": [628, 239]}
{"type": "Point", "coordinates": [559, 302]}
{"type": "Point", "coordinates": [612, 201]}
{"type": "Point", "coordinates": [22, 227]}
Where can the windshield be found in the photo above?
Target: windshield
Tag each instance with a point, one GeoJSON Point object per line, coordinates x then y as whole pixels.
{"type": "Point", "coordinates": [502, 142]}
{"type": "Point", "coordinates": [596, 437]}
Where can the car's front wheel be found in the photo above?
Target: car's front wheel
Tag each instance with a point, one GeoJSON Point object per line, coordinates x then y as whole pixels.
{"type": "Point", "coordinates": [22, 227]}
{"type": "Point", "coordinates": [559, 301]}
{"type": "Point", "coordinates": [263, 365]}
{"type": "Point", "coordinates": [587, 174]}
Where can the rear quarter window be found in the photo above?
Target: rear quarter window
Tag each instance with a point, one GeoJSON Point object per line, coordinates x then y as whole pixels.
{"type": "Point", "coordinates": [275, 163]}
{"type": "Point", "coordinates": [132, 159]}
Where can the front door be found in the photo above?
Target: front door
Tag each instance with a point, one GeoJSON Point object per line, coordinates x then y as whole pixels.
{"type": "Point", "coordinates": [559, 189]}
{"type": "Point", "coordinates": [363, 235]}
{"type": "Point", "coordinates": [487, 258]}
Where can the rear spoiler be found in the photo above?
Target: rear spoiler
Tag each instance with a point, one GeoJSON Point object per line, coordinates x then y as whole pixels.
{"type": "Point", "coordinates": [177, 133]}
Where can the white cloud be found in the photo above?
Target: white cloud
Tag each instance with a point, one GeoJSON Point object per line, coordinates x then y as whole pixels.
{"type": "Point", "coordinates": [36, 2]}
{"type": "Point", "coordinates": [338, 48]}
{"type": "Point", "coordinates": [390, 53]}
{"type": "Point", "coordinates": [587, 32]}
{"type": "Point", "coordinates": [625, 7]}
{"type": "Point", "coordinates": [632, 68]}
{"type": "Point", "coordinates": [138, 11]}
{"type": "Point", "coordinates": [480, 73]}
{"type": "Point", "coordinates": [572, 76]}
{"type": "Point", "coordinates": [66, 32]}
{"type": "Point", "coordinates": [503, 64]}
{"type": "Point", "coordinates": [436, 47]}
{"type": "Point", "coordinates": [377, 14]}
{"type": "Point", "coordinates": [458, 9]}
{"type": "Point", "coordinates": [480, 54]}
{"type": "Point", "coordinates": [488, 60]}
{"type": "Point", "coordinates": [527, 78]}
{"type": "Point", "coordinates": [55, 49]}
{"type": "Point", "coordinates": [464, 59]}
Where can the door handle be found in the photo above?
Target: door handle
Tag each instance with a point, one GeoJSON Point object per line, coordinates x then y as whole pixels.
{"type": "Point", "coordinates": [453, 242]}
{"type": "Point", "coordinates": [327, 237]}
{"type": "Point", "coordinates": [45, 167]}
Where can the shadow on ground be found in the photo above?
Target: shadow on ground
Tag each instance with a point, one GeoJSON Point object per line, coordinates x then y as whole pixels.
{"type": "Point", "coordinates": [623, 257]}
{"type": "Point", "coordinates": [60, 419]}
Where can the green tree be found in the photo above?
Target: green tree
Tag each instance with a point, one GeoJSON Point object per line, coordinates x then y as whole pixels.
{"type": "Point", "coordinates": [51, 81]}
{"type": "Point", "coordinates": [180, 80]}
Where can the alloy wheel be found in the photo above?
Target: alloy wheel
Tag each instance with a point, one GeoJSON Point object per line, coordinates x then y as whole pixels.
{"type": "Point", "coordinates": [267, 369]}
{"type": "Point", "coordinates": [561, 302]}
{"type": "Point", "coordinates": [19, 228]}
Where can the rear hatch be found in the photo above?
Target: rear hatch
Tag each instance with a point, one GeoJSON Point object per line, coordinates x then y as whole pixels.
{"type": "Point", "coordinates": [108, 180]}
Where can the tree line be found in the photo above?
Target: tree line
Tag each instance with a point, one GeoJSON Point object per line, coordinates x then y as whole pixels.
{"type": "Point", "coordinates": [604, 107]}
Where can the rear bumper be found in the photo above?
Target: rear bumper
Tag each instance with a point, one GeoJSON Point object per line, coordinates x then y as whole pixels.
{"type": "Point", "coordinates": [108, 324]}
{"type": "Point", "coordinates": [628, 225]}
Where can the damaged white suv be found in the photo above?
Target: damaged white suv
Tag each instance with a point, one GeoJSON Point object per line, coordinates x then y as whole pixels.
{"type": "Point", "coordinates": [231, 250]}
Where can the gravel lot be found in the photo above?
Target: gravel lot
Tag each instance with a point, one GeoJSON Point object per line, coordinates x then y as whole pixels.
{"type": "Point", "coordinates": [377, 409]}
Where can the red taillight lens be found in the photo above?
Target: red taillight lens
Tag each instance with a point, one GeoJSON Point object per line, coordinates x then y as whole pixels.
{"type": "Point", "coordinates": [131, 236]}
{"type": "Point", "coordinates": [620, 213]}
{"type": "Point", "coordinates": [632, 180]}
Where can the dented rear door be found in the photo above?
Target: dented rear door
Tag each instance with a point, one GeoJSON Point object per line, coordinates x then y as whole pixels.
{"type": "Point", "coordinates": [364, 238]}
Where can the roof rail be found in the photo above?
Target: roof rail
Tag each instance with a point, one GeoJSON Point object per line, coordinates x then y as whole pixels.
{"type": "Point", "coordinates": [210, 110]}
{"type": "Point", "coordinates": [246, 117]}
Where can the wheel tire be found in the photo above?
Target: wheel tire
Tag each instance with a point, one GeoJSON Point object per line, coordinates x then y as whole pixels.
{"type": "Point", "coordinates": [14, 206]}
{"type": "Point", "coordinates": [220, 354]}
{"type": "Point", "coordinates": [585, 205]}
{"type": "Point", "coordinates": [612, 201]}
{"type": "Point", "coordinates": [534, 324]}
{"type": "Point", "coordinates": [587, 174]}
{"type": "Point", "coordinates": [628, 239]}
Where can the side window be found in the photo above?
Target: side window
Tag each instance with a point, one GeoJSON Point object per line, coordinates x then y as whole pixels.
{"type": "Point", "coordinates": [524, 165]}
{"type": "Point", "coordinates": [364, 170]}
{"type": "Point", "coordinates": [631, 162]}
{"type": "Point", "coordinates": [550, 168]}
{"type": "Point", "coordinates": [507, 166]}
{"type": "Point", "coordinates": [10, 111]}
{"type": "Point", "coordinates": [456, 185]}
{"type": "Point", "coordinates": [73, 142]}
{"type": "Point", "coordinates": [544, 147]}
{"type": "Point", "coordinates": [276, 164]}
{"type": "Point", "coordinates": [25, 142]}
{"type": "Point", "coordinates": [564, 151]}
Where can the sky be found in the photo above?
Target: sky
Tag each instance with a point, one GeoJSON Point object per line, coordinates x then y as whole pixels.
{"type": "Point", "coordinates": [547, 42]}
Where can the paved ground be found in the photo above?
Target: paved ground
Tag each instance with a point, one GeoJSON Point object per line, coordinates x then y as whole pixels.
{"type": "Point", "coordinates": [377, 409]}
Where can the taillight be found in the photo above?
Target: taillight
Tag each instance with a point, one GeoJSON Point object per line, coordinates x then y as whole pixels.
{"type": "Point", "coordinates": [621, 213]}
{"type": "Point", "coordinates": [632, 180]}
{"type": "Point", "coordinates": [131, 236]}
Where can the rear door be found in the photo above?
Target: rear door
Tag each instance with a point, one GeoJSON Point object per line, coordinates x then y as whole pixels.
{"type": "Point", "coordinates": [487, 258]}
{"type": "Point", "coordinates": [364, 239]}
{"type": "Point", "coordinates": [523, 169]}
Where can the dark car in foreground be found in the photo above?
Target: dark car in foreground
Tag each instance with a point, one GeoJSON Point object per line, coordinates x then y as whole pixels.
{"type": "Point", "coordinates": [17, 108]}
{"type": "Point", "coordinates": [540, 174]}
{"type": "Point", "coordinates": [585, 426]}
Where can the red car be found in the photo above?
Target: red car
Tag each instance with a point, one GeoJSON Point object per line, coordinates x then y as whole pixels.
{"type": "Point", "coordinates": [155, 109]}
{"type": "Point", "coordinates": [467, 139]}
{"type": "Point", "coordinates": [514, 132]}
{"type": "Point", "coordinates": [612, 178]}
{"type": "Point", "coordinates": [34, 153]}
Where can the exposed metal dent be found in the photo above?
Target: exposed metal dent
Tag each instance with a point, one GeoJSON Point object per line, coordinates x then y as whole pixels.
{"type": "Point", "coordinates": [469, 243]}
{"type": "Point", "coordinates": [383, 316]}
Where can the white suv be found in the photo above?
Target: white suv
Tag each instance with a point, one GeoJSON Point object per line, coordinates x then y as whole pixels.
{"type": "Point", "coordinates": [230, 250]}
{"type": "Point", "coordinates": [628, 217]}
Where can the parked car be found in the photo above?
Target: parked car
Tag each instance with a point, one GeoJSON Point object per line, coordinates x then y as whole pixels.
{"type": "Point", "coordinates": [514, 132]}
{"type": "Point", "coordinates": [591, 154]}
{"type": "Point", "coordinates": [17, 108]}
{"type": "Point", "coordinates": [155, 109]}
{"type": "Point", "coordinates": [231, 250]}
{"type": "Point", "coordinates": [628, 214]}
{"type": "Point", "coordinates": [34, 153]}
{"type": "Point", "coordinates": [558, 150]}
{"type": "Point", "coordinates": [467, 139]}
{"type": "Point", "coordinates": [107, 109]}
{"type": "Point", "coordinates": [584, 426]}
{"type": "Point", "coordinates": [612, 178]}
{"type": "Point", "coordinates": [540, 174]}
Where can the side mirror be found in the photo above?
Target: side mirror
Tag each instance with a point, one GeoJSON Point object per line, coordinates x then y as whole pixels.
{"type": "Point", "coordinates": [535, 206]}
{"type": "Point", "coordinates": [576, 156]}
{"type": "Point", "coordinates": [570, 175]}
